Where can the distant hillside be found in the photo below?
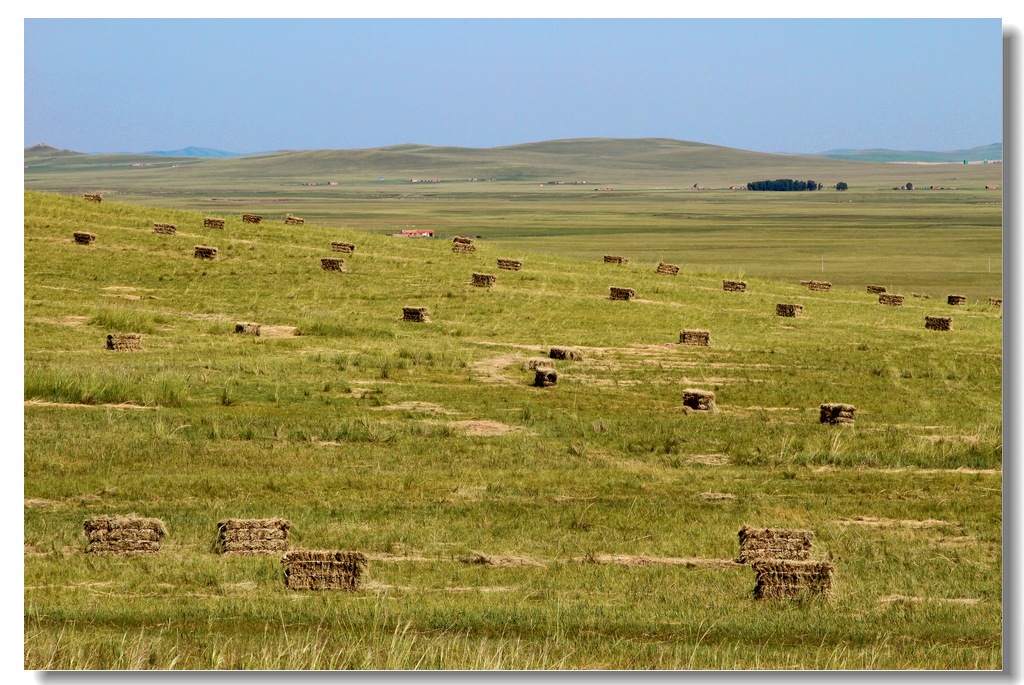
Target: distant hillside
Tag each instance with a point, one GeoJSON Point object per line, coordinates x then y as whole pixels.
{"type": "Point", "coordinates": [193, 152]}
{"type": "Point", "coordinates": [974, 154]}
{"type": "Point", "coordinates": [43, 151]}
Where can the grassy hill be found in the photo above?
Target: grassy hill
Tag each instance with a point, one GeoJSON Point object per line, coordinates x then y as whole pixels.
{"type": "Point", "coordinates": [592, 524]}
{"type": "Point", "coordinates": [975, 154]}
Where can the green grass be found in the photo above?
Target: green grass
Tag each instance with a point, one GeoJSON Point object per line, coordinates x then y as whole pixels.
{"type": "Point", "coordinates": [354, 428]}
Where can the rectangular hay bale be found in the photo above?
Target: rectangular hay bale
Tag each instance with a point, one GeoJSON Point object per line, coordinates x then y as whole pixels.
{"type": "Point", "coordinates": [83, 238]}
{"type": "Point", "coordinates": [791, 310]}
{"type": "Point", "coordinates": [124, 342]}
{"type": "Point", "coordinates": [165, 229]}
{"type": "Point", "coordinates": [956, 300]}
{"type": "Point", "coordinates": [544, 377]}
{"type": "Point", "coordinates": [836, 413]}
{"type": "Point", "coordinates": [791, 579]}
{"type": "Point", "coordinates": [347, 248]}
{"type": "Point", "coordinates": [876, 289]}
{"type": "Point", "coordinates": [732, 286]}
{"type": "Point", "coordinates": [210, 222]}
{"type": "Point", "coordinates": [510, 264]}
{"type": "Point", "coordinates": [252, 218]}
{"type": "Point", "coordinates": [463, 244]}
{"type": "Point", "coordinates": [332, 264]}
{"type": "Point", "coordinates": [294, 220]}
{"type": "Point", "coordinates": [621, 293]}
{"type": "Point", "coordinates": [667, 269]}
{"type": "Point", "coordinates": [252, 536]}
{"type": "Point", "coordinates": [698, 400]}
{"type": "Point", "coordinates": [615, 259]}
{"type": "Point", "coordinates": [570, 353]}
{"type": "Point", "coordinates": [819, 286]}
{"type": "Point", "coordinates": [323, 570]}
{"type": "Point", "coordinates": [246, 328]}
{"type": "Point", "coordinates": [417, 314]}
{"type": "Point", "coordinates": [774, 543]}
{"type": "Point", "coordinates": [483, 280]}
{"type": "Point", "coordinates": [938, 323]}
{"type": "Point", "coordinates": [995, 301]}
{"type": "Point", "coordinates": [695, 337]}
{"type": "Point", "coordinates": [93, 197]}
{"type": "Point", "coordinates": [204, 252]}
{"type": "Point", "coordinates": [890, 299]}
{"type": "Point", "coordinates": [123, 535]}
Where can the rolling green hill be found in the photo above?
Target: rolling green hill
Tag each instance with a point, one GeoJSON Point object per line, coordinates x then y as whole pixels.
{"type": "Point", "coordinates": [976, 154]}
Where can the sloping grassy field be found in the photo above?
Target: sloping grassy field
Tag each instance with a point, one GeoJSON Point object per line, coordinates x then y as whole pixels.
{"type": "Point", "coordinates": [592, 524]}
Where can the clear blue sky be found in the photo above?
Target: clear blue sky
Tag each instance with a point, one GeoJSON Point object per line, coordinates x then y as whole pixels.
{"type": "Point", "coordinates": [251, 85]}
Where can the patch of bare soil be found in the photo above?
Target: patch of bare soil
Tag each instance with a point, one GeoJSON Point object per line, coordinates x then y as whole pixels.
{"type": "Point", "coordinates": [425, 407]}
{"type": "Point", "coordinates": [632, 560]}
{"type": "Point", "coordinates": [948, 600]}
{"type": "Point", "coordinates": [121, 405]}
{"type": "Point", "coordinates": [497, 560]}
{"type": "Point", "coordinates": [490, 370]}
{"type": "Point", "coordinates": [908, 523]}
{"type": "Point", "coordinates": [41, 503]}
{"type": "Point", "coordinates": [484, 428]}
{"type": "Point", "coordinates": [57, 287]}
{"type": "Point", "coordinates": [716, 496]}
{"type": "Point", "coordinates": [708, 459]}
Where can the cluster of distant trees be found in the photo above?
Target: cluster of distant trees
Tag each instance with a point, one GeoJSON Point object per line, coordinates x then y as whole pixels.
{"type": "Point", "coordinates": [783, 184]}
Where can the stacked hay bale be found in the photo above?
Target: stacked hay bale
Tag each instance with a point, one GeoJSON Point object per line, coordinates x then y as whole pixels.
{"type": "Point", "coordinates": [252, 536]}
{"type": "Point", "coordinates": [347, 248]}
{"type": "Point", "coordinates": [323, 570]}
{"type": "Point", "coordinates": [294, 220]}
{"type": "Point", "coordinates": [615, 259]}
{"type": "Point", "coordinates": [956, 300]}
{"type": "Point", "coordinates": [251, 218]}
{"type": "Point", "coordinates": [938, 323]}
{"type": "Point", "coordinates": [247, 328]}
{"type": "Point", "coordinates": [695, 337]}
{"type": "Point", "coordinates": [819, 286]}
{"type": "Point", "coordinates": [417, 314]}
{"type": "Point", "coordinates": [698, 400]}
{"type": "Point", "coordinates": [83, 238]}
{"type": "Point", "coordinates": [123, 534]}
{"type": "Point", "coordinates": [463, 244]}
{"type": "Point", "coordinates": [545, 377]}
{"type": "Point", "coordinates": [569, 353]}
{"type": "Point", "coordinates": [205, 252]}
{"type": "Point", "coordinates": [995, 301]}
{"type": "Point", "coordinates": [792, 310]}
{"type": "Point", "coordinates": [837, 413]}
{"type": "Point", "coordinates": [891, 299]}
{"type": "Point", "coordinates": [210, 222]}
{"type": "Point", "coordinates": [93, 197]}
{"type": "Point", "coordinates": [774, 543]}
{"type": "Point", "coordinates": [332, 264]}
{"type": "Point", "coordinates": [483, 280]}
{"type": "Point", "coordinates": [667, 269]}
{"type": "Point", "coordinates": [165, 229]}
{"type": "Point", "coordinates": [876, 289]}
{"type": "Point", "coordinates": [621, 293]}
{"type": "Point", "coordinates": [124, 342]}
{"type": "Point", "coordinates": [734, 286]}
{"type": "Point", "coordinates": [781, 579]}
{"type": "Point", "coordinates": [510, 264]}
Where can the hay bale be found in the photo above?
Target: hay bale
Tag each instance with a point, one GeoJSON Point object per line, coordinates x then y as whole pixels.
{"type": "Point", "coordinates": [123, 535]}
{"type": "Point", "coordinates": [251, 218]}
{"type": "Point", "coordinates": [417, 314]}
{"type": "Point", "coordinates": [923, 297]}
{"type": "Point", "coordinates": [83, 238]}
{"type": "Point", "coordinates": [463, 244]}
{"type": "Point", "coordinates": [570, 353]}
{"type": "Point", "coordinates": [210, 222]}
{"type": "Point", "coordinates": [93, 197]}
{"type": "Point", "coordinates": [332, 264]}
{"type": "Point", "coordinates": [347, 248]}
{"type": "Point", "coordinates": [294, 220]}
{"type": "Point", "coordinates": [890, 299]}
{"type": "Point", "coordinates": [510, 264]}
{"type": "Point", "coordinates": [205, 252]}
{"type": "Point", "coordinates": [165, 229]}
{"type": "Point", "coordinates": [784, 579]}
{"type": "Point", "coordinates": [483, 280]}
{"type": "Point", "coordinates": [995, 301]}
{"type": "Point", "coordinates": [695, 337]}
{"type": "Point", "coordinates": [791, 310]}
{"type": "Point", "coordinates": [699, 400]}
{"type": "Point", "coordinates": [545, 377]}
{"type": "Point", "coordinates": [667, 269]}
{"type": "Point", "coordinates": [956, 300]}
{"type": "Point", "coordinates": [124, 342]}
{"type": "Point", "coordinates": [876, 289]}
{"type": "Point", "coordinates": [247, 328]}
{"type": "Point", "coordinates": [323, 570]}
{"type": "Point", "coordinates": [621, 293]}
{"type": "Point", "coordinates": [819, 286]}
{"type": "Point", "coordinates": [734, 286]}
{"type": "Point", "coordinates": [252, 536]}
{"type": "Point", "coordinates": [534, 363]}
{"type": "Point", "coordinates": [789, 544]}
{"type": "Point", "coordinates": [615, 259]}
{"type": "Point", "coordinates": [938, 323]}
{"type": "Point", "coordinates": [837, 414]}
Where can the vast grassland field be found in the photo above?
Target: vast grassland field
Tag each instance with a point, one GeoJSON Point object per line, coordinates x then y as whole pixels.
{"type": "Point", "coordinates": [588, 525]}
